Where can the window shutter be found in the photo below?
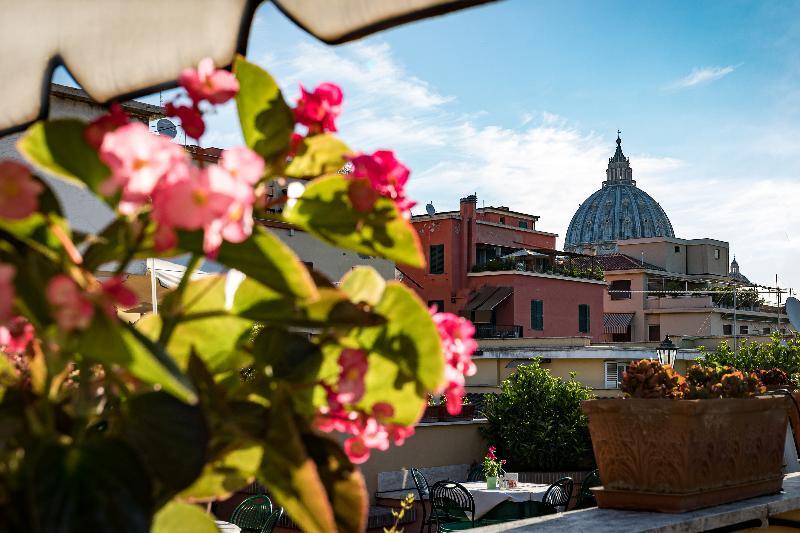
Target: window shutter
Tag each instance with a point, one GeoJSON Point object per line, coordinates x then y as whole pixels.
{"type": "Point", "coordinates": [436, 262]}
{"type": "Point", "coordinates": [537, 316]}
{"type": "Point", "coordinates": [583, 318]}
{"type": "Point", "coordinates": [611, 374]}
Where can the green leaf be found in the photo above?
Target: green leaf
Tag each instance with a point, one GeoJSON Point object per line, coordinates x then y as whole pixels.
{"type": "Point", "coordinates": [203, 310]}
{"type": "Point", "coordinates": [178, 517]}
{"type": "Point", "coordinates": [263, 257]}
{"type": "Point", "coordinates": [363, 284]}
{"type": "Point", "coordinates": [106, 342]}
{"type": "Point", "coordinates": [325, 210]}
{"type": "Point", "coordinates": [99, 485]}
{"type": "Point", "coordinates": [267, 120]}
{"type": "Point", "coordinates": [290, 474]}
{"type": "Point", "coordinates": [332, 308]}
{"type": "Point", "coordinates": [405, 354]}
{"type": "Point", "coordinates": [291, 356]}
{"type": "Point", "coordinates": [343, 483]}
{"type": "Point", "coordinates": [223, 477]}
{"type": "Point", "coordinates": [57, 147]}
{"type": "Point", "coordinates": [170, 436]}
{"type": "Point", "coordinates": [317, 155]}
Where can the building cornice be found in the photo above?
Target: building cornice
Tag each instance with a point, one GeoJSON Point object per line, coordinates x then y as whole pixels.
{"type": "Point", "coordinates": [536, 275]}
{"type": "Point", "coordinates": [514, 228]}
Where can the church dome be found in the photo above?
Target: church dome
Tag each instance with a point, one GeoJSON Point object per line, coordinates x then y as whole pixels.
{"type": "Point", "coordinates": [619, 210]}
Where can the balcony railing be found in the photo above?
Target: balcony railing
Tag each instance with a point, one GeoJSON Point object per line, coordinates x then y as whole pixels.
{"type": "Point", "coordinates": [491, 331]}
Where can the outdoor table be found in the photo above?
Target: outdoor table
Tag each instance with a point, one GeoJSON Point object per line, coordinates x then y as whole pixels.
{"type": "Point", "coordinates": [488, 499]}
{"type": "Point", "coordinates": [227, 527]}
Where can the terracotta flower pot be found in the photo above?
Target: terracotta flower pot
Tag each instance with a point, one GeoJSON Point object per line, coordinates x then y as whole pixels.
{"type": "Point", "coordinates": [680, 455]}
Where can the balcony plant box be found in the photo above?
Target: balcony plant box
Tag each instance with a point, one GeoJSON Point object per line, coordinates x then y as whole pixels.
{"type": "Point", "coordinates": [432, 413]}
{"type": "Point", "coordinates": [679, 455]}
{"type": "Point", "coordinates": [467, 413]}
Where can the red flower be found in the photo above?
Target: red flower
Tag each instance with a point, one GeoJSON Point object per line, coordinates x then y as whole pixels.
{"type": "Point", "coordinates": [384, 174]}
{"type": "Point", "coordinates": [191, 119]}
{"type": "Point", "coordinates": [318, 110]}
{"type": "Point", "coordinates": [458, 346]}
{"type": "Point", "coordinates": [97, 129]}
{"type": "Point", "coordinates": [16, 335]}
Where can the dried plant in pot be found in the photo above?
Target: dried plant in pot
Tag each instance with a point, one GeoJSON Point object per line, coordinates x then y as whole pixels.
{"type": "Point", "coordinates": [675, 444]}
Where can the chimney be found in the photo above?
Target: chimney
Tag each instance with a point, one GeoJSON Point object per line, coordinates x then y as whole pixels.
{"type": "Point", "coordinates": [467, 211]}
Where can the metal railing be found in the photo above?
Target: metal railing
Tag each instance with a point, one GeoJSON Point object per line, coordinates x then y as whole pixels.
{"type": "Point", "coordinates": [491, 331]}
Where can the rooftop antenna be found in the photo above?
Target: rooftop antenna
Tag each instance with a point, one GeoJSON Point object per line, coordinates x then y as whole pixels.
{"type": "Point", "coordinates": [430, 209]}
{"type": "Point", "coordinates": [166, 127]}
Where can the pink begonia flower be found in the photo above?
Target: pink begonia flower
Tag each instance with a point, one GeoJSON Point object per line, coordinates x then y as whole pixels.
{"type": "Point", "coordinates": [117, 294]}
{"type": "Point", "coordinates": [71, 309]}
{"type": "Point", "coordinates": [97, 129]}
{"type": "Point", "coordinates": [353, 368]}
{"type": "Point", "coordinates": [138, 160]}
{"type": "Point", "coordinates": [164, 238]}
{"type": "Point", "coordinates": [362, 195]}
{"type": "Point", "coordinates": [456, 334]}
{"type": "Point", "coordinates": [7, 291]}
{"type": "Point", "coordinates": [207, 83]}
{"type": "Point", "coordinates": [19, 191]}
{"type": "Point", "coordinates": [357, 450]}
{"type": "Point", "coordinates": [491, 453]}
{"type": "Point", "coordinates": [319, 109]}
{"type": "Point", "coordinates": [385, 174]}
{"type": "Point", "coordinates": [294, 144]}
{"type": "Point", "coordinates": [191, 118]}
{"type": "Point", "coordinates": [16, 335]}
{"type": "Point", "coordinates": [243, 164]}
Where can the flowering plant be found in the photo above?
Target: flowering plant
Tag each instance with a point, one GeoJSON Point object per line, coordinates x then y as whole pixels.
{"type": "Point", "coordinates": [241, 375]}
{"type": "Point", "coordinates": [492, 466]}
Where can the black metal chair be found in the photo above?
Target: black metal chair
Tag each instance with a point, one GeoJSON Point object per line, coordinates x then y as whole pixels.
{"type": "Point", "coordinates": [559, 493]}
{"type": "Point", "coordinates": [452, 506]}
{"type": "Point", "coordinates": [252, 513]}
{"type": "Point", "coordinates": [272, 521]}
{"type": "Point", "coordinates": [476, 473]}
{"type": "Point", "coordinates": [423, 495]}
{"type": "Point", "coordinates": [585, 496]}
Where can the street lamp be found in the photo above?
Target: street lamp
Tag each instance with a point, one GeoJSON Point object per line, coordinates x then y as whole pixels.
{"type": "Point", "coordinates": [667, 352]}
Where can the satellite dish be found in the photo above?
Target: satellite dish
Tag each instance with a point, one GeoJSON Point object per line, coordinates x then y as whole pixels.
{"type": "Point", "coordinates": [793, 312]}
{"type": "Point", "coordinates": [430, 209]}
{"type": "Point", "coordinates": [164, 126]}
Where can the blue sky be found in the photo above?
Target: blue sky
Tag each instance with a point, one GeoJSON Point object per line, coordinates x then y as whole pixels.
{"type": "Point", "coordinates": [520, 102]}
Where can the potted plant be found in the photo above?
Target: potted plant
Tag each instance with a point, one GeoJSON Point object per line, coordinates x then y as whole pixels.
{"type": "Point", "coordinates": [675, 444]}
{"type": "Point", "coordinates": [432, 411]}
{"type": "Point", "coordinates": [492, 466]}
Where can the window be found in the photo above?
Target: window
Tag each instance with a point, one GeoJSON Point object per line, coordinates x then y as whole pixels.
{"type": "Point", "coordinates": [437, 259]}
{"type": "Point", "coordinates": [502, 220]}
{"type": "Point", "coordinates": [677, 249]}
{"type": "Point", "coordinates": [620, 289]}
{"type": "Point", "coordinates": [583, 318]}
{"type": "Point", "coordinates": [727, 329]}
{"type": "Point", "coordinates": [537, 315]}
{"type": "Point", "coordinates": [613, 373]}
{"type": "Point", "coordinates": [766, 331]}
{"type": "Point", "coordinates": [654, 332]}
{"type": "Point", "coordinates": [716, 253]}
{"type": "Point", "coordinates": [523, 224]}
{"type": "Point", "coordinates": [438, 304]}
{"type": "Point", "coordinates": [743, 330]}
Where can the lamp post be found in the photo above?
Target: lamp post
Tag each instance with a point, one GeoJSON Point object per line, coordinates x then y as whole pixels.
{"type": "Point", "coordinates": [667, 352]}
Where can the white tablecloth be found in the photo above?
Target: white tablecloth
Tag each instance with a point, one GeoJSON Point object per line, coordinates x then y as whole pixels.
{"type": "Point", "coordinates": [486, 500]}
{"type": "Point", "coordinates": [227, 527]}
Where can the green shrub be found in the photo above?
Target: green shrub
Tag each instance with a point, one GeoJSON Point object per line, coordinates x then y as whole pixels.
{"type": "Point", "coordinates": [753, 356]}
{"type": "Point", "coordinates": [536, 421]}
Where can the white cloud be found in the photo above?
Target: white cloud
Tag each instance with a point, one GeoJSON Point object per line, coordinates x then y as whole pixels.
{"type": "Point", "coordinates": [699, 76]}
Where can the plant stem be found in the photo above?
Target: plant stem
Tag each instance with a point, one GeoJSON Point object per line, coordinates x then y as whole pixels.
{"type": "Point", "coordinates": [171, 314]}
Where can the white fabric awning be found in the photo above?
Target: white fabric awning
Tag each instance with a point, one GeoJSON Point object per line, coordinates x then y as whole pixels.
{"type": "Point", "coordinates": [169, 274]}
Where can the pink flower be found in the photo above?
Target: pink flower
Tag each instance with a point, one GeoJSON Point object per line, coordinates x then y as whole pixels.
{"type": "Point", "coordinates": [356, 449]}
{"type": "Point", "coordinates": [19, 192]}
{"type": "Point", "coordinates": [243, 164]}
{"type": "Point", "coordinates": [190, 198]}
{"type": "Point", "coordinates": [7, 291]}
{"type": "Point", "coordinates": [385, 174]}
{"type": "Point", "coordinates": [318, 110]}
{"type": "Point", "coordinates": [117, 294]}
{"type": "Point", "coordinates": [191, 118]}
{"type": "Point", "coordinates": [456, 334]}
{"type": "Point", "coordinates": [97, 129]}
{"type": "Point", "coordinates": [16, 335]}
{"type": "Point", "coordinates": [207, 83]}
{"type": "Point", "coordinates": [399, 434]}
{"type": "Point", "coordinates": [138, 160]}
{"type": "Point", "coordinates": [71, 309]}
{"type": "Point", "coordinates": [353, 368]}
{"type": "Point", "coordinates": [491, 453]}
